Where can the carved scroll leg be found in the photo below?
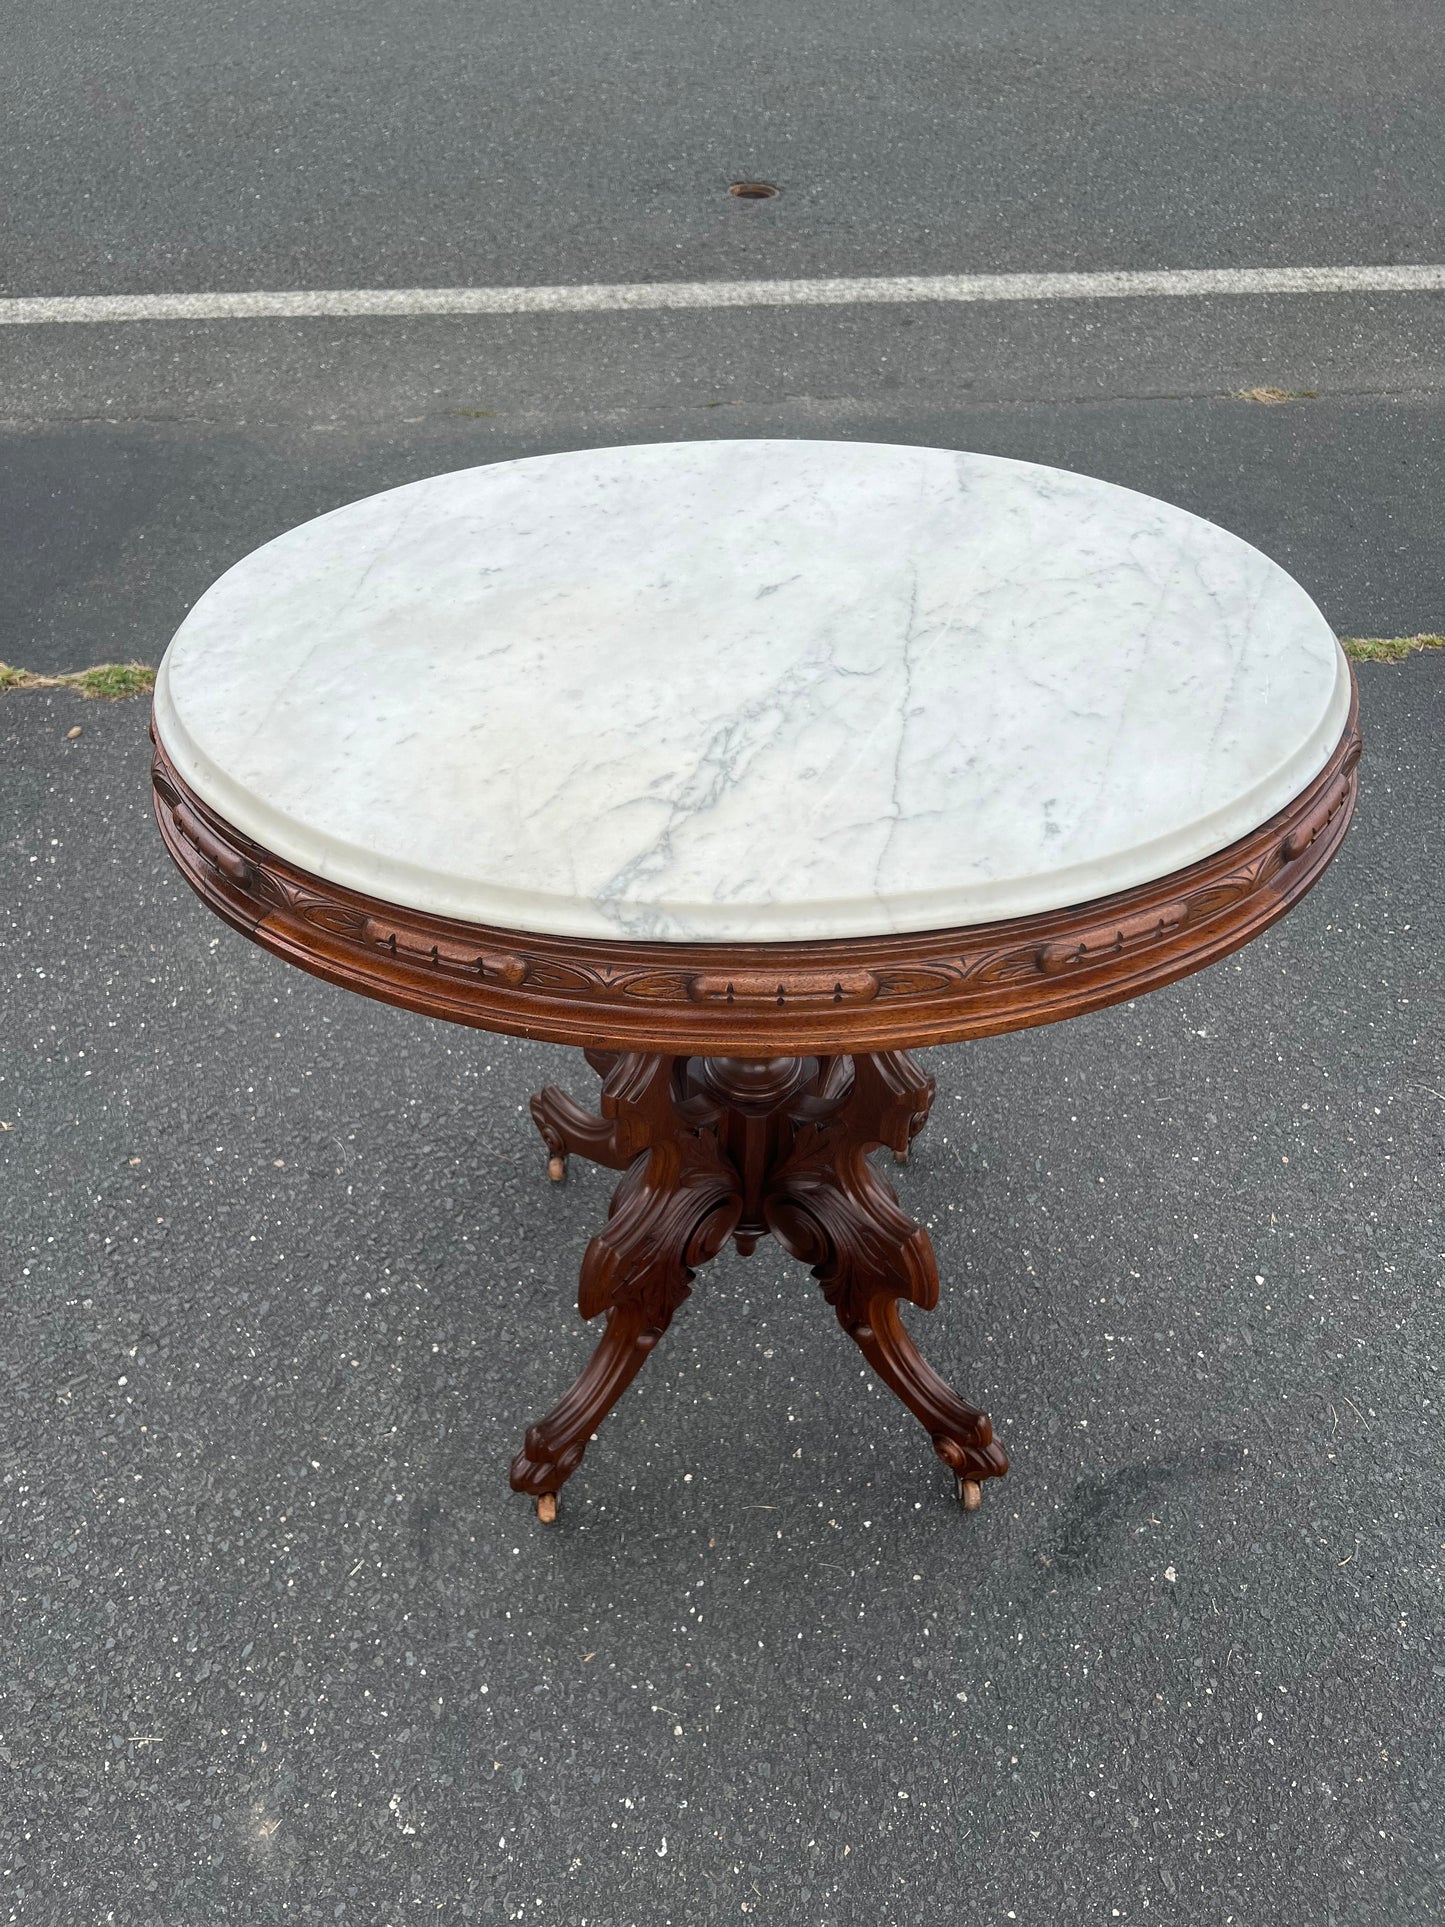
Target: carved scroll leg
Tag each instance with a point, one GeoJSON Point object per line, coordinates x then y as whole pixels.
{"type": "Point", "coordinates": [830, 1208]}
{"type": "Point", "coordinates": [568, 1130]}
{"type": "Point", "coordinates": [962, 1435]}
{"type": "Point", "coordinates": [672, 1212]}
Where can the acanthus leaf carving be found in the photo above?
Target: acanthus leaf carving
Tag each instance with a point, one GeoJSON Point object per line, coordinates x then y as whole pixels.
{"type": "Point", "coordinates": [918, 982]}
{"type": "Point", "coordinates": [325, 912]}
{"type": "Point", "coordinates": [1016, 964]}
{"type": "Point", "coordinates": [658, 985]}
{"type": "Point", "coordinates": [1231, 890]}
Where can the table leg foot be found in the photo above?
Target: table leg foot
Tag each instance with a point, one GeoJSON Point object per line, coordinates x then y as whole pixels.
{"type": "Point", "coordinates": [553, 1447]}
{"type": "Point", "coordinates": [962, 1435]}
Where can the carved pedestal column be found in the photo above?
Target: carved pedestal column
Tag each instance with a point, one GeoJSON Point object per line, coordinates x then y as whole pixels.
{"type": "Point", "coordinates": [719, 1147]}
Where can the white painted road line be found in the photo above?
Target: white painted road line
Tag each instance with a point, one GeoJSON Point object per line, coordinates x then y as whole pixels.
{"type": "Point", "coordinates": [600, 298]}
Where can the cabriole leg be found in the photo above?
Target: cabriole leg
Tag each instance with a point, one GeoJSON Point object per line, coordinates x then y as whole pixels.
{"type": "Point", "coordinates": [829, 1207]}
{"type": "Point", "coordinates": [673, 1211]}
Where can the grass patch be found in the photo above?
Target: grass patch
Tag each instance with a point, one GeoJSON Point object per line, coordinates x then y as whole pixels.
{"type": "Point", "coordinates": [1272, 397]}
{"type": "Point", "coordinates": [1387, 648]}
{"type": "Point", "coordinates": [111, 680]}
{"type": "Point", "coordinates": [116, 680]}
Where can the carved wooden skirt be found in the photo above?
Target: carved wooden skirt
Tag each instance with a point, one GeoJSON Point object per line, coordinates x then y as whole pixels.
{"type": "Point", "coordinates": [745, 1086]}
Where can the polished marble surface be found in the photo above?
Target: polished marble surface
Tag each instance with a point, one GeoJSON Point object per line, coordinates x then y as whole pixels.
{"type": "Point", "coordinates": [755, 690]}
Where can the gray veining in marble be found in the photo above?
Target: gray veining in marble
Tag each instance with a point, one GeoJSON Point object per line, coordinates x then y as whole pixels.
{"type": "Point", "coordinates": [751, 690]}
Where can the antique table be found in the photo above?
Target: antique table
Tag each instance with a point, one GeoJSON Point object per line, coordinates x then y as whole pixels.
{"type": "Point", "coordinates": [748, 767]}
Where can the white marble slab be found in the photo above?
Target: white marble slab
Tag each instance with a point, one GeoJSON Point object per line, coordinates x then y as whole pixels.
{"type": "Point", "coordinates": [751, 690]}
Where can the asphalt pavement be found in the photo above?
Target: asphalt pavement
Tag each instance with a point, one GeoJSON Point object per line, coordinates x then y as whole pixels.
{"type": "Point", "coordinates": [285, 1278]}
{"type": "Point", "coordinates": [151, 145]}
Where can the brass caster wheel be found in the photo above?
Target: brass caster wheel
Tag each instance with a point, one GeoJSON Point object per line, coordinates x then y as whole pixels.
{"type": "Point", "coordinates": [900, 1157]}
{"type": "Point", "coordinates": [556, 1169]}
{"type": "Point", "coordinates": [547, 1508]}
{"type": "Point", "coordinates": [970, 1494]}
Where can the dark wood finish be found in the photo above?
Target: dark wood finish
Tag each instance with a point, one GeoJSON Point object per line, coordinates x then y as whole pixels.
{"type": "Point", "coordinates": [754, 1000]}
{"type": "Point", "coordinates": [718, 1147]}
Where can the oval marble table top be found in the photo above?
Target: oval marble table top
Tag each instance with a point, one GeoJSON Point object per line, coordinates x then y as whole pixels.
{"type": "Point", "coordinates": [753, 691]}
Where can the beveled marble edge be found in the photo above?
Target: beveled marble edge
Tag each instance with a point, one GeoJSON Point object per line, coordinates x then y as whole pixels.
{"type": "Point", "coordinates": [412, 887]}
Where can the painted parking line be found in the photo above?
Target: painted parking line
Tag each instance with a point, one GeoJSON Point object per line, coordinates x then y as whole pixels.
{"type": "Point", "coordinates": [603, 297]}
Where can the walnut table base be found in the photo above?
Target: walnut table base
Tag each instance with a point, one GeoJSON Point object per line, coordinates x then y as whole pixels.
{"type": "Point", "coordinates": [728, 1147]}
